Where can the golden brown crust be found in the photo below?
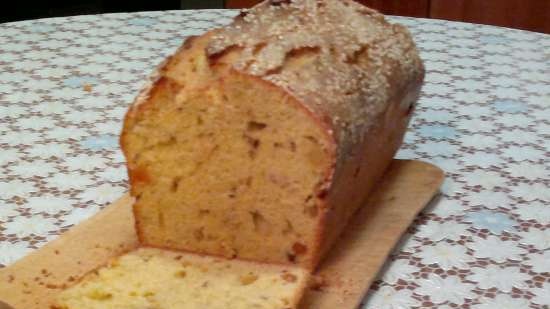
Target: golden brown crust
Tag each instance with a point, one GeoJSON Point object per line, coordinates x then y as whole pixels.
{"type": "Point", "coordinates": [343, 61]}
{"type": "Point", "coordinates": [346, 64]}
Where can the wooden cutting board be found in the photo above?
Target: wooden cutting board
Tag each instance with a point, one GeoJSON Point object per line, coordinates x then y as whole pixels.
{"type": "Point", "coordinates": [345, 275]}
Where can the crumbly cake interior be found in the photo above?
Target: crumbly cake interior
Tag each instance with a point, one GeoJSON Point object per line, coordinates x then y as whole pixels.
{"type": "Point", "coordinates": [229, 167]}
{"type": "Point", "coordinates": [185, 281]}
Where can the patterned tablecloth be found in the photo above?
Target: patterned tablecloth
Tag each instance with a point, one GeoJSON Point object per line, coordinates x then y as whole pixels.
{"type": "Point", "coordinates": [484, 117]}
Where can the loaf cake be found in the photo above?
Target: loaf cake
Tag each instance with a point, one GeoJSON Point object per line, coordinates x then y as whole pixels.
{"type": "Point", "coordinates": [259, 140]}
{"type": "Point", "coordinates": [249, 151]}
{"type": "Point", "coordinates": [185, 281]}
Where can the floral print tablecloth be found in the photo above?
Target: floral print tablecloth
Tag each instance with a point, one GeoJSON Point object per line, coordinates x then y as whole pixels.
{"type": "Point", "coordinates": [484, 117]}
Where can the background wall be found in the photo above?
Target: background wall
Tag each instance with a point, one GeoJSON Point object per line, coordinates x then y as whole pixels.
{"type": "Point", "coordinates": [531, 15]}
{"type": "Point", "coordinates": [31, 9]}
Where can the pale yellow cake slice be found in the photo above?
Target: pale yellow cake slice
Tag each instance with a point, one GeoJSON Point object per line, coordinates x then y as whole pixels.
{"type": "Point", "coordinates": [159, 279]}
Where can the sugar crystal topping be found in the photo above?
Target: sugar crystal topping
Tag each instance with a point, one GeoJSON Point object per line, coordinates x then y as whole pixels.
{"type": "Point", "coordinates": [338, 57]}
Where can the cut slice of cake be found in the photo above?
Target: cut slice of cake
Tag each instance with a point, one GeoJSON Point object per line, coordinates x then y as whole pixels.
{"type": "Point", "coordinates": [159, 279]}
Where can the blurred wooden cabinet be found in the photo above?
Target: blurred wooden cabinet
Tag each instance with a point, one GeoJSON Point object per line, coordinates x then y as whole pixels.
{"type": "Point", "coordinates": [239, 4]}
{"type": "Point", "coordinates": [531, 15]}
{"type": "Point", "coordinates": [416, 8]}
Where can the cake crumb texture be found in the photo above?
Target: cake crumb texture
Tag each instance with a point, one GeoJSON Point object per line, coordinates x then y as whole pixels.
{"type": "Point", "coordinates": [160, 279]}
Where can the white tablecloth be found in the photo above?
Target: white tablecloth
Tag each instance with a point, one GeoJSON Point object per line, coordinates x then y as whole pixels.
{"type": "Point", "coordinates": [483, 117]}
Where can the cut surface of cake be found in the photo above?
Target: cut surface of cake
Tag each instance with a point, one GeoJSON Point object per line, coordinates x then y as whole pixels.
{"type": "Point", "coordinates": [159, 279]}
{"type": "Point", "coordinates": [260, 140]}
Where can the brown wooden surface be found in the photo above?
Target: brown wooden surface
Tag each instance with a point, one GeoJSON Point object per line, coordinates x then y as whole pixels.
{"type": "Point", "coordinates": [34, 281]}
{"type": "Point", "coordinates": [531, 15]}
{"type": "Point", "coordinates": [348, 270]}
{"type": "Point", "coordinates": [353, 263]}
